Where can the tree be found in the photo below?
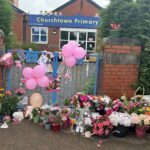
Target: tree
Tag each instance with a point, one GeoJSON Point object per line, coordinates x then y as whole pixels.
{"type": "Point", "coordinates": [134, 18]}
{"type": "Point", "coordinates": [6, 18]}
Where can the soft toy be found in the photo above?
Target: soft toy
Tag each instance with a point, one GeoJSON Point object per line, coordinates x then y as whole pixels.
{"type": "Point", "coordinates": [18, 116]}
{"type": "Point", "coordinates": [87, 120]}
{"type": "Point", "coordinates": [73, 124]}
{"type": "Point", "coordinates": [64, 113]}
{"type": "Point", "coordinates": [28, 111]}
{"type": "Point", "coordinates": [80, 126]}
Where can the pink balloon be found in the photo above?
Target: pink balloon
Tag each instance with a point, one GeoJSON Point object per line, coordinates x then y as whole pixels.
{"type": "Point", "coordinates": [67, 50]}
{"type": "Point", "coordinates": [31, 84]}
{"type": "Point", "coordinates": [39, 71]}
{"type": "Point", "coordinates": [27, 72]}
{"type": "Point", "coordinates": [74, 44]}
{"type": "Point", "coordinates": [79, 53]}
{"type": "Point", "coordinates": [70, 61]}
{"type": "Point", "coordinates": [43, 82]}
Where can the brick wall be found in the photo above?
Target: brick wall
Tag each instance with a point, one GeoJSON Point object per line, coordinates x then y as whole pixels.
{"type": "Point", "coordinates": [18, 27]}
{"type": "Point", "coordinates": [2, 49]}
{"type": "Point", "coordinates": [120, 69]}
{"type": "Point", "coordinates": [53, 39]}
{"type": "Point", "coordinates": [74, 9]}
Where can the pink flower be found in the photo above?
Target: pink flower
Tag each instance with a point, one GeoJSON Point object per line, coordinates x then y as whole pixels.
{"type": "Point", "coordinates": [106, 132]}
{"type": "Point", "coordinates": [83, 98]}
{"type": "Point", "coordinates": [20, 91]}
{"type": "Point", "coordinates": [95, 131]}
{"type": "Point", "coordinates": [116, 101]}
{"type": "Point", "coordinates": [100, 142]}
{"type": "Point", "coordinates": [100, 125]}
{"type": "Point", "coordinates": [106, 123]}
{"type": "Point", "coordinates": [115, 108]}
{"type": "Point", "coordinates": [95, 125]}
{"type": "Point", "coordinates": [108, 112]}
{"type": "Point", "coordinates": [7, 118]}
{"type": "Point", "coordinates": [87, 104]}
{"type": "Point", "coordinates": [100, 132]}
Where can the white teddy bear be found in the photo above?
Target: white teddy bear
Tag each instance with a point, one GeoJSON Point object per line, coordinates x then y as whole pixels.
{"type": "Point", "coordinates": [80, 127]}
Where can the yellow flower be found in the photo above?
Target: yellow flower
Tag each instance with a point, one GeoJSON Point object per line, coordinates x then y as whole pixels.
{"type": "Point", "coordinates": [1, 89]}
{"type": "Point", "coordinates": [1, 95]}
{"type": "Point", "coordinates": [148, 109]}
{"type": "Point", "coordinates": [147, 121]}
{"type": "Point", "coordinates": [143, 117]}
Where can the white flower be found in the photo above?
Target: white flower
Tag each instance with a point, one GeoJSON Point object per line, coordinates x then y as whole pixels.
{"type": "Point", "coordinates": [114, 118]}
{"type": "Point", "coordinates": [120, 118]}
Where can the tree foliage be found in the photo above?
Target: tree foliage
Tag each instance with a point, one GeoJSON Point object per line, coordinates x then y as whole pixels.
{"type": "Point", "coordinates": [134, 18]}
{"type": "Point", "coordinates": [6, 17]}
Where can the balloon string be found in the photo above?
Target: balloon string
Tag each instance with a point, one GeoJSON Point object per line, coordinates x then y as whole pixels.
{"type": "Point", "coordinates": [87, 70]}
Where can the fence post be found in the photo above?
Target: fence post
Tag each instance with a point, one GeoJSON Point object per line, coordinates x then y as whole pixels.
{"type": "Point", "coordinates": [55, 66]}
{"type": "Point", "coordinates": [8, 80]}
{"type": "Point", "coordinates": [96, 75]}
{"type": "Point", "coordinates": [100, 74]}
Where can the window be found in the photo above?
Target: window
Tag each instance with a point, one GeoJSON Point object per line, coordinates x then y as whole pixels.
{"type": "Point", "coordinates": [86, 38]}
{"type": "Point", "coordinates": [39, 35]}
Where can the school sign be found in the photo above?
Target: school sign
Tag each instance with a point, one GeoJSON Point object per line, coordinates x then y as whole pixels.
{"type": "Point", "coordinates": [64, 21]}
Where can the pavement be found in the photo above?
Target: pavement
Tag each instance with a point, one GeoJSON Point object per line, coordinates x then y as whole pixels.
{"type": "Point", "coordinates": [30, 136]}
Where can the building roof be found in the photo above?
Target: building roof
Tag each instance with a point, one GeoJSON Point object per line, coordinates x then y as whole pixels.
{"type": "Point", "coordinates": [18, 10]}
{"type": "Point", "coordinates": [72, 1]}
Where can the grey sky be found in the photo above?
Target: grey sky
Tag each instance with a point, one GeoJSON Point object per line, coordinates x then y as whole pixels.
{"type": "Point", "coordinates": [34, 6]}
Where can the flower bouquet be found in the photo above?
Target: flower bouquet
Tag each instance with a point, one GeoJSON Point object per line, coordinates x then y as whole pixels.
{"type": "Point", "coordinates": [142, 123]}
{"type": "Point", "coordinates": [44, 115]}
{"type": "Point", "coordinates": [80, 100]}
{"type": "Point", "coordinates": [20, 91]}
{"type": "Point", "coordinates": [102, 126]}
{"type": "Point", "coordinates": [35, 115]}
{"type": "Point", "coordinates": [121, 122]}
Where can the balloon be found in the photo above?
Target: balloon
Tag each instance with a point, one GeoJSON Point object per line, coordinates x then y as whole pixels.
{"type": "Point", "coordinates": [39, 71]}
{"type": "Point", "coordinates": [43, 82]}
{"type": "Point", "coordinates": [31, 84]}
{"type": "Point", "coordinates": [27, 72]}
{"type": "Point", "coordinates": [74, 44]}
{"type": "Point", "coordinates": [36, 100]}
{"type": "Point", "coordinates": [79, 53]}
{"type": "Point", "coordinates": [70, 61]}
{"type": "Point", "coordinates": [67, 50]}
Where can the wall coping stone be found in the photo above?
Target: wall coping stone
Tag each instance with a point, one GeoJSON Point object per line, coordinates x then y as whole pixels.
{"type": "Point", "coordinates": [122, 41]}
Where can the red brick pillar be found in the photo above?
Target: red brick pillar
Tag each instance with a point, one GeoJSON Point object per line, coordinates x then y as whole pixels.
{"type": "Point", "coordinates": [2, 51]}
{"type": "Point", "coordinates": [120, 68]}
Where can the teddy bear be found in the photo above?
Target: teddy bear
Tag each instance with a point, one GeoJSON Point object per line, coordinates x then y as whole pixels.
{"type": "Point", "coordinates": [64, 113]}
{"type": "Point", "coordinates": [80, 126]}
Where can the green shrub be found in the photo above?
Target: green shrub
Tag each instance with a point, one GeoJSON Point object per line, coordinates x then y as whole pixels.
{"type": "Point", "coordinates": [8, 104]}
{"type": "Point", "coordinates": [89, 87]}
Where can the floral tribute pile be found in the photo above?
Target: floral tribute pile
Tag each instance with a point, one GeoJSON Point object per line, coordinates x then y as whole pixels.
{"type": "Point", "coordinates": [88, 115]}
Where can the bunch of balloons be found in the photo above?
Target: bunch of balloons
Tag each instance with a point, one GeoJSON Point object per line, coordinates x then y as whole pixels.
{"type": "Point", "coordinates": [71, 53]}
{"type": "Point", "coordinates": [35, 76]}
